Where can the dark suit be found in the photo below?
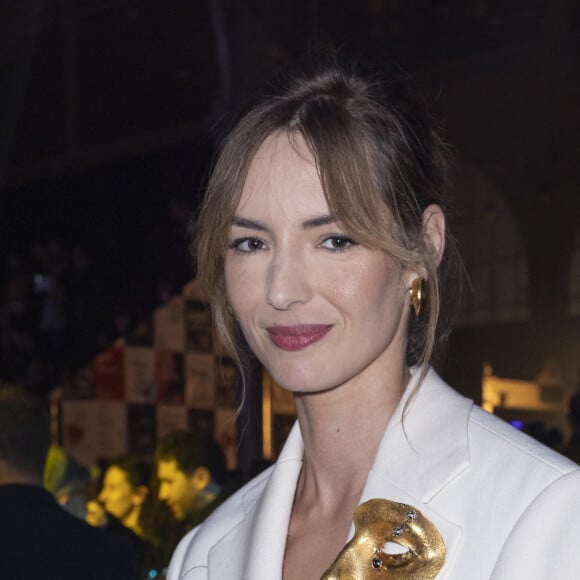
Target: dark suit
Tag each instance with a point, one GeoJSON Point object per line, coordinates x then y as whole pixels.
{"type": "Point", "coordinates": [39, 539]}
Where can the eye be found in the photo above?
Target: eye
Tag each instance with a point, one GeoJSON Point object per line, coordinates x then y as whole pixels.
{"type": "Point", "coordinates": [247, 245]}
{"type": "Point", "coordinates": [338, 243]}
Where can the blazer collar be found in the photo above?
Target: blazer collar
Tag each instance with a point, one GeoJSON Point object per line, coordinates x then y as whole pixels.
{"type": "Point", "coordinates": [425, 444]}
{"type": "Point", "coordinates": [419, 454]}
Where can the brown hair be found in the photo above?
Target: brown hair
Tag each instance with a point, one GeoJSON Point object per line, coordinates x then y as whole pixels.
{"type": "Point", "coordinates": [375, 149]}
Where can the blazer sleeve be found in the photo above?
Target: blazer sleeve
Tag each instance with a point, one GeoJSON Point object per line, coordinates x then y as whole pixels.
{"type": "Point", "coordinates": [544, 542]}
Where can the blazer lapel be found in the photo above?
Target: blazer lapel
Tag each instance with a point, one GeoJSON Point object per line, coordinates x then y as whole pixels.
{"type": "Point", "coordinates": [425, 444]}
{"type": "Point", "coordinates": [254, 550]}
{"type": "Point", "coordinates": [424, 448]}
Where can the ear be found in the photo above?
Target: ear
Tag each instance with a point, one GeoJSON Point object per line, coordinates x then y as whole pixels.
{"type": "Point", "coordinates": [201, 478]}
{"type": "Point", "coordinates": [140, 494]}
{"type": "Point", "coordinates": [434, 232]}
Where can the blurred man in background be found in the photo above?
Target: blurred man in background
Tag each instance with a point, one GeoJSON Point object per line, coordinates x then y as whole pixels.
{"type": "Point", "coordinates": [192, 474]}
{"type": "Point", "coordinates": [38, 538]}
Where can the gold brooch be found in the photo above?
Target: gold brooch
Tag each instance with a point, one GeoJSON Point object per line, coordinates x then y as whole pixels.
{"type": "Point", "coordinates": [419, 553]}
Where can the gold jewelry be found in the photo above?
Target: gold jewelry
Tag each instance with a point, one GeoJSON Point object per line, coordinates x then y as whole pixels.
{"type": "Point", "coordinates": [416, 294]}
{"type": "Point", "coordinates": [379, 522]}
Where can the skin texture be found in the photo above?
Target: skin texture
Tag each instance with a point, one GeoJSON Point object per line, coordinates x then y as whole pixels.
{"type": "Point", "coordinates": [285, 269]}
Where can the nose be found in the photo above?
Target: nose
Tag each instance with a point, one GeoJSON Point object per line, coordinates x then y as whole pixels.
{"type": "Point", "coordinates": [102, 496]}
{"type": "Point", "coordinates": [288, 280]}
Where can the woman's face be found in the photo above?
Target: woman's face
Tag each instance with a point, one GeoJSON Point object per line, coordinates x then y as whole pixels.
{"type": "Point", "coordinates": [117, 495]}
{"type": "Point", "coordinates": [317, 308]}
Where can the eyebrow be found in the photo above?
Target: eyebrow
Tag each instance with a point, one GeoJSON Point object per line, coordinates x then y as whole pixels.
{"type": "Point", "coordinates": [249, 224]}
{"type": "Point", "coordinates": [314, 222]}
{"type": "Point", "coordinates": [322, 220]}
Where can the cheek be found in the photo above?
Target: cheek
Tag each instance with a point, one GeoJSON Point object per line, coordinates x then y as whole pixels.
{"type": "Point", "coordinates": [242, 286]}
{"type": "Point", "coordinates": [370, 283]}
{"type": "Point", "coordinates": [182, 490]}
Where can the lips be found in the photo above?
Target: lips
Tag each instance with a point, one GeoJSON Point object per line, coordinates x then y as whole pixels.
{"type": "Point", "coordinates": [297, 337]}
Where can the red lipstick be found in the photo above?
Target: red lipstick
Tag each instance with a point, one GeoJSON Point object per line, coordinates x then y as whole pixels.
{"type": "Point", "coordinates": [297, 337]}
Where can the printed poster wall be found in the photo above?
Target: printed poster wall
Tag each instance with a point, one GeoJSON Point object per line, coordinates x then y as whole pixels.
{"type": "Point", "coordinates": [165, 376]}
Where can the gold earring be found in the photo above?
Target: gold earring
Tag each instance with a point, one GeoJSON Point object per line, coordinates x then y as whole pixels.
{"type": "Point", "coordinates": [416, 294]}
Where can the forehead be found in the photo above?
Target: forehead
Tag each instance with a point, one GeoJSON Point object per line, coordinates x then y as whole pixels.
{"type": "Point", "coordinates": [283, 177]}
{"type": "Point", "coordinates": [167, 468]}
{"type": "Point", "coordinates": [114, 476]}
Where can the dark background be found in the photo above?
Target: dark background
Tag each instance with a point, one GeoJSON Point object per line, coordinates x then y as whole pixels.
{"type": "Point", "coordinates": [108, 116]}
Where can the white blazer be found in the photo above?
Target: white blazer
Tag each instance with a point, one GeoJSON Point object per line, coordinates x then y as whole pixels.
{"type": "Point", "coordinates": [507, 507]}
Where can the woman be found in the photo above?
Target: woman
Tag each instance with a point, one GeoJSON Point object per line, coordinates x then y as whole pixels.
{"type": "Point", "coordinates": [126, 504]}
{"type": "Point", "coordinates": [323, 237]}
{"type": "Point", "coordinates": [124, 493]}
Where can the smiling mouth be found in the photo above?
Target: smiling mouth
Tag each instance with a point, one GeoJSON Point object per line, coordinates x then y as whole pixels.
{"type": "Point", "coordinates": [297, 337]}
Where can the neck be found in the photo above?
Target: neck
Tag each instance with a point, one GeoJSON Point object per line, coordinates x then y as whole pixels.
{"type": "Point", "coordinates": [11, 475]}
{"type": "Point", "coordinates": [131, 521]}
{"type": "Point", "coordinates": [342, 429]}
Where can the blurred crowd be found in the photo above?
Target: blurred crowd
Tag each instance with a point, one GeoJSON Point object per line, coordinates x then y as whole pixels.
{"type": "Point", "coordinates": [61, 302]}
{"type": "Point", "coordinates": [50, 314]}
{"type": "Point", "coordinates": [120, 520]}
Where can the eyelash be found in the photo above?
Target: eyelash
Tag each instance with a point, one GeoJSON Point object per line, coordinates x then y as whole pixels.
{"type": "Point", "coordinates": [236, 245]}
{"type": "Point", "coordinates": [349, 243]}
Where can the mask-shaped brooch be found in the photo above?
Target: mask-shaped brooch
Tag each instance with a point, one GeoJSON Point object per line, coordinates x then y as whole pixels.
{"type": "Point", "coordinates": [379, 524]}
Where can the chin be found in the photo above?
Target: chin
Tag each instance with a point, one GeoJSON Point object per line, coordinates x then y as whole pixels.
{"type": "Point", "coordinates": [301, 381]}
